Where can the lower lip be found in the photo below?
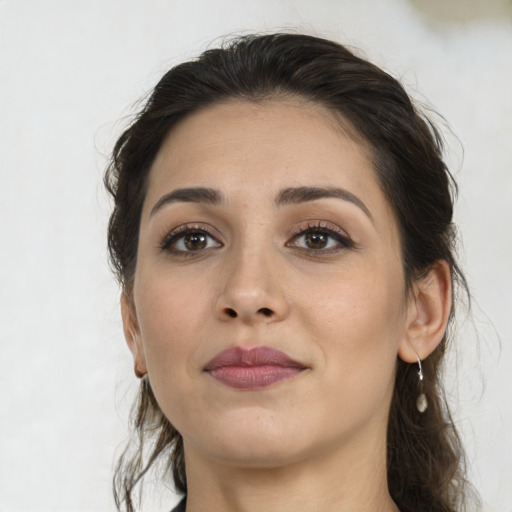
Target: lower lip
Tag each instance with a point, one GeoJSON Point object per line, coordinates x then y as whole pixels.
{"type": "Point", "coordinates": [253, 377]}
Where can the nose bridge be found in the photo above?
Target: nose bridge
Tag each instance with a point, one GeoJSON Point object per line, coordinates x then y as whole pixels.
{"type": "Point", "coordinates": [251, 286]}
{"type": "Point", "coordinates": [249, 270]}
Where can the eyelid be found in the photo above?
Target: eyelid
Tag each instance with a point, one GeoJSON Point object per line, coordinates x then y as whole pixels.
{"type": "Point", "coordinates": [320, 226]}
{"type": "Point", "coordinates": [178, 232]}
{"type": "Point", "coordinates": [343, 240]}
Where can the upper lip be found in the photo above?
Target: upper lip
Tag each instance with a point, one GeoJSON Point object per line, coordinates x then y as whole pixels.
{"type": "Point", "coordinates": [256, 356]}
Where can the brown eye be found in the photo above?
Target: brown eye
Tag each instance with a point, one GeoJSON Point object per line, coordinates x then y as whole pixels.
{"type": "Point", "coordinates": [321, 239]}
{"type": "Point", "coordinates": [189, 240]}
{"type": "Point", "coordinates": [195, 241]}
{"type": "Point", "coordinates": [316, 240]}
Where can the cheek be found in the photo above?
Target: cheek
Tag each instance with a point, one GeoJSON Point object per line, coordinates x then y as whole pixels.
{"type": "Point", "coordinates": [170, 312]}
{"type": "Point", "coordinates": [170, 315]}
{"type": "Point", "coordinates": [358, 325]}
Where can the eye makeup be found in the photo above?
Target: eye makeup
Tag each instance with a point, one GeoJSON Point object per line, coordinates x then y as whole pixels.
{"type": "Point", "coordinates": [319, 237]}
{"type": "Point", "coordinates": [189, 238]}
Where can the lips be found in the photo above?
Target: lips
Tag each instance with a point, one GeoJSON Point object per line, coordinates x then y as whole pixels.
{"type": "Point", "coordinates": [252, 369]}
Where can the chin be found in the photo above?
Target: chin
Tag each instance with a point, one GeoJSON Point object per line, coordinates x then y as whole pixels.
{"type": "Point", "coordinates": [252, 440]}
{"type": "Point", "coordinates": [263, 455]}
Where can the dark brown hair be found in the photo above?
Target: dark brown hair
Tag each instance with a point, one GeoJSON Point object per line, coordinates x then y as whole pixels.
{"type": "Point", "coordinates": [424, 455]}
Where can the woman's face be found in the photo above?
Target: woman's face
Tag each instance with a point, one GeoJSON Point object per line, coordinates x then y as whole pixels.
{"type": "Point", "coordinates": [264, 228]}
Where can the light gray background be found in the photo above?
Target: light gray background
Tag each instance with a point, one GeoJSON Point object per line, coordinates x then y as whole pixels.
{"type": "Point", "coordinates": [69, 71]}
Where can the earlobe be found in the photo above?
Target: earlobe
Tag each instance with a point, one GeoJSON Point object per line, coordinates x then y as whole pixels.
{"type": "Point", "coordinates": [428, 313]}
{"type": "Point", "coordinates": [132, 335]}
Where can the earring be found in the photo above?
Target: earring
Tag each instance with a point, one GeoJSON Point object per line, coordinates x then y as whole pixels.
{"type": "Point", "coordinates": [421, 402]}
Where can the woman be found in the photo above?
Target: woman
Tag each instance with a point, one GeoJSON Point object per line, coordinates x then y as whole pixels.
{"type": "Point", "coordinates": [283, 236]}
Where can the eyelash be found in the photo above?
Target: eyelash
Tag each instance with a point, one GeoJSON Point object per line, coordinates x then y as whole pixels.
{"type": "Point", "coordinates": [343, 240]}
{"type": "Point", "coordinates": [176, 234]}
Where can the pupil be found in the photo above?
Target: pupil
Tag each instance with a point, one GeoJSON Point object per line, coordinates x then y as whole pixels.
{"type": "Point", "coordinates": [316, 240]}
{"type": "Point", "coordinates": [195, 241]}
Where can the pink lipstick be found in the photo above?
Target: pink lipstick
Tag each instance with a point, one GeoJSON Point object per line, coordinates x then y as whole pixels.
{"type": "Point", "coordinates": [253, 368]}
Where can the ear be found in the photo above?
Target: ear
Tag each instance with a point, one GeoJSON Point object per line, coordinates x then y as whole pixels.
{"type": "Point", "coordinates": [132, 335]}
{"type": "Point", "coordinates": [428, 312]}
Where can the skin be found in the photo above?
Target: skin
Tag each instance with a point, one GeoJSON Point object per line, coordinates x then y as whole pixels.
{"type": "Point", "coordinates": [341, 311]}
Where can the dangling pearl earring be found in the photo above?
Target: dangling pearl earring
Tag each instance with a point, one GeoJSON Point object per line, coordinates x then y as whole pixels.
{"type": "Point", "coordinates": [421, 402]}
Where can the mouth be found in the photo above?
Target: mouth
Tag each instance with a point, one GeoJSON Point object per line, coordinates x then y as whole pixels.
{"type": "Point", "coordinates": [252, 369]}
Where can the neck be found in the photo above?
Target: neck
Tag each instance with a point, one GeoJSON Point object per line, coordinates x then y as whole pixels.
{"type": "Point", "coordinates": [352, 479]}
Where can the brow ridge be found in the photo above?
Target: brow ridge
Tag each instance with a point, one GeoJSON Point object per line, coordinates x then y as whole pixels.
{"type": "Point", "coordinates": [287, 196]}
{"type": "Point", "coordinates": [295, 195]}
{"type": "Point", "coordinates": [189, 195]}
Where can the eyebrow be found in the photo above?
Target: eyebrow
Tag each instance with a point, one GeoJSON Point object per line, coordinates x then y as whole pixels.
{"type": "Point", "coordinates": [189, 195]}
{"type": "Point", "coordinates": [297, 195]}
{"type": "Point", "coordinates": [292, 195]}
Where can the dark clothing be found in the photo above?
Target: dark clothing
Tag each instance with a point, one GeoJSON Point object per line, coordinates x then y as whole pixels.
{"type": "Point", "coordinates": [180, 507]}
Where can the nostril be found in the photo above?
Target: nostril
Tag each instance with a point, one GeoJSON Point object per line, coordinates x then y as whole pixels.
{"type": "Point", "coordinates": [265, 311]}
{"type": "Point", "coordinates": [231, 312]}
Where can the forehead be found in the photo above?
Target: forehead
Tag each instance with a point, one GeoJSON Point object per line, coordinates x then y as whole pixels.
{"type": "Point", "coordinates": [252, 150]}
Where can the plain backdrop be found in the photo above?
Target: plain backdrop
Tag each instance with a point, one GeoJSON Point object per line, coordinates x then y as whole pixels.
{"type": "Point", "coordinates": [70, 75]}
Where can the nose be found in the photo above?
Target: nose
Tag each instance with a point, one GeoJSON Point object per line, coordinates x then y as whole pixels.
{"type": "Point", "coordinates": [251, 289]}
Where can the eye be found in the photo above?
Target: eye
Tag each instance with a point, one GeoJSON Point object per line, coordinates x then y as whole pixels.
{"type": "Point", "coordinates": [189, 239]}
{"type": "Point", "coordinates": [321, 238]}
